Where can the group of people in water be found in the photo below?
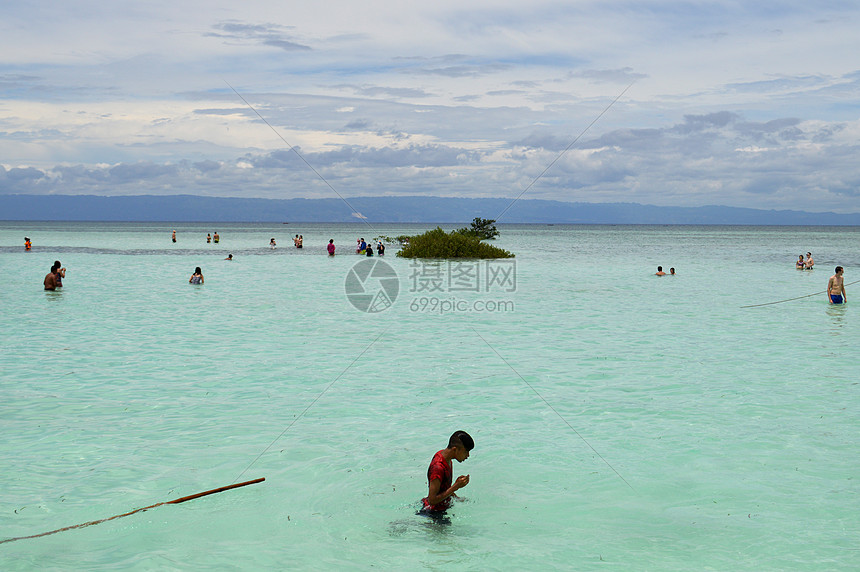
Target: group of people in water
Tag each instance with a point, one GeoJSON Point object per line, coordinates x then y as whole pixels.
{"type": "Point", "coordinates": [54, 278]}
{"type": "Point", "coordinates": [361, 247]}
{"type": "Point", "coordinates": [802, 264]}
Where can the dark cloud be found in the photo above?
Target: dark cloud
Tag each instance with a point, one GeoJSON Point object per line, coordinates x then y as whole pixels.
{"type": "Point", "coordinates": [207, 166]}
{"type": "Point", "coordinates": [17, 81]}
{"type": "Point", "coordinates": [780, 84]}
{"type": "Point", "coordinates": [403, 92]}
{"type": "Point", "coordinates": [224, 111]}
{"type": "Point", "coordinates": [505, 92]}
{"type": "Point", "coordinates": [621, 75]}
{"type": "Point", "coordinates": [455, 66]}
{"type": "Point", "coordinates": [24, 174]}
{"type": "Point", "coordinates": [707, 121]}
{"type": "Point", "coordinates": [264, 34]}
{"type": "Point", "coordinates": [358, 125]}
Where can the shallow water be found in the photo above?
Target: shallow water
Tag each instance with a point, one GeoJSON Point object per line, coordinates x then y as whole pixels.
{"type": "Point", "coordinates": [621, 420]}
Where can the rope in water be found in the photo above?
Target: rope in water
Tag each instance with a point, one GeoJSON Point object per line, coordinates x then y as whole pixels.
{"type": "Point", "coordinates": [566, 422]}
{"type": "Point", "coordinates": [798, 298]}
{"type": "Point", "coordinates": [312, 403]}
{"type": "Point", "coordinates": [175, 501]}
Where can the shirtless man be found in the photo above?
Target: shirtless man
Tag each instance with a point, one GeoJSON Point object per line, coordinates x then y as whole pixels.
{"type": "Point", "coordinates": [809, 261]}
{"type": "Point", "coordinates": [836, 288]}
{"type": "Point", "coordinates": [51, 279]}
{"type": "Point", "coordinates": [660, 271]}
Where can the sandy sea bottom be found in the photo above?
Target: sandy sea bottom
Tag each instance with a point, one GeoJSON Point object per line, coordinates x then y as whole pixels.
{"type": "Point", "coordinates": [621, 420]}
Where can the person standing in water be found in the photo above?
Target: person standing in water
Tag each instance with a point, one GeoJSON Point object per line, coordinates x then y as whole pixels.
{"type": "Point", "coordinates": [50, 281]}
{"type": "Point", "coordinates": [836, 288]}
{"type": "Point", "coordinates": [60, 273]}
{"type": "Point", "coordinates": [800, 265]}
{"type": "Point", "coordinates": [216, 238]}
{"type": "Point", "coordinates": [27, 244]}
{"type": "Point", "coordinates": [441, 472]}
{"type": "Point", "coordinates": [208, 238]}
{"type": "Point", "coordinates": [330, 247]}
{"type": "Point", "coordinates": [809, 261]}
{"type": "Point", "coordinates": [173, 237]}
{"type": "Point", "coordinates": [197, 277]}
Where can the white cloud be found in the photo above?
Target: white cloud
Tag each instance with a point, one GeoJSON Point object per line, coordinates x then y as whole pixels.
{"type": "Point", "coordinates": [737, 104]}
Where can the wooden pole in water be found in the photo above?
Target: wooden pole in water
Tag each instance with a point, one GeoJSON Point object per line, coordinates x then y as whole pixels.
{"type": "Point", "coordinates": [175, 501]}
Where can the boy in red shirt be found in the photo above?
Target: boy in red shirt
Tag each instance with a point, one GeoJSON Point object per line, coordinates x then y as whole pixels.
{"type": "Point", "coordinates": [440, 473]}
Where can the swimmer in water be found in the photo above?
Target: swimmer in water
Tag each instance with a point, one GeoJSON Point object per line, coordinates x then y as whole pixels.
{"type": "Point", "coordinates": [50, 280]}
{"type": "Point", "coordinates": [60, 273]}
{"type": "Point", "coordinates": [229, 257]}
{"type": "Point", "coordinates": [660, 271]}
{"type": "Point", "coordinates": [441, 472]}
{"type": "Point", "coordinates": [799, 264]}
{"type": "Point", "coordinates": [836, 288]}
{"type": "Point", "coordinates": [671, 272]}
{"type": "Point", "coordinates": [197, 277]}
{"type": "Point", "coordinates": [272, 243]}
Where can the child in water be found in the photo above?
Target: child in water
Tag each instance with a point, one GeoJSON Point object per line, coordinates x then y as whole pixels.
{"type": "Point", "coordinates": [440, 474]}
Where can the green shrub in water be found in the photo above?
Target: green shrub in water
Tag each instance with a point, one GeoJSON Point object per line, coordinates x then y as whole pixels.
{"type": "Point", "coordinates": [437, 243]}
{"type": "Point", "coordinates": [482, 228]}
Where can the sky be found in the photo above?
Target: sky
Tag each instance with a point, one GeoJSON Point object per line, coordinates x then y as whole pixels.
{"type": "Point", "coordinates": [669, 103]}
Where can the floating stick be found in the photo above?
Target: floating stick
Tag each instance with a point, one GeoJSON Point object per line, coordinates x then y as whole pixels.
{"type": "Point", "coordinates": [175, 501]}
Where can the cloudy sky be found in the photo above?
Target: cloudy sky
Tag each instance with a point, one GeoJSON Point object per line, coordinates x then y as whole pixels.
{"type": "Point", "coordinates": [752, 104]}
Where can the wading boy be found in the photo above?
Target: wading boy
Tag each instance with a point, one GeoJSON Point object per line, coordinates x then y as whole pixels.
{"type": "Point", "coordinates": [441, 472]}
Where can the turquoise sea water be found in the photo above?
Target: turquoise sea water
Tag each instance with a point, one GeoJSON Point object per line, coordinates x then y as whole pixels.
{"type": "Point", "coordinates": [622, 421]}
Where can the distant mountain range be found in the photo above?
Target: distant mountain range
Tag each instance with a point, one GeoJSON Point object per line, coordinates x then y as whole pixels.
{"type": "Point", "coordinates": [191, 208]}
